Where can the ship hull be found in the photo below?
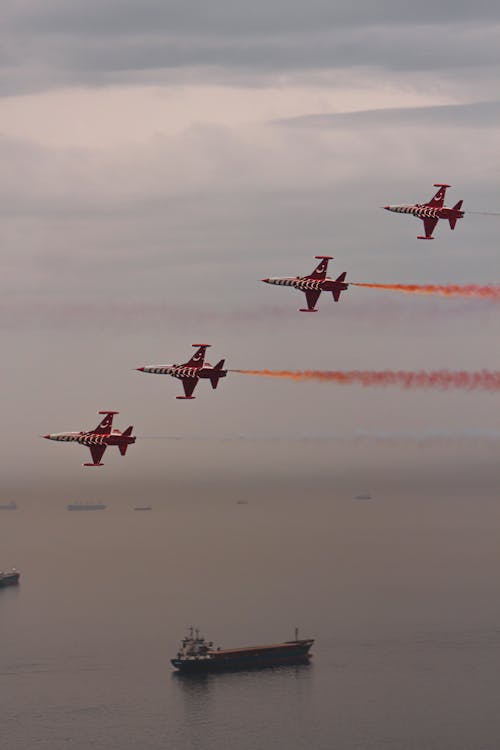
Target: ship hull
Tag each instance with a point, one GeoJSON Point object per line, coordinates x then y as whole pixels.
{"type": "Point", "coordinates": [9, 579]}
{"type": "Point", "coordinates": [241, 659]}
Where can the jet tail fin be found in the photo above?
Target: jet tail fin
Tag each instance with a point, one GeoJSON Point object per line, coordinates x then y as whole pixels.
{"type": "Point", "coordinates": [122, 447]}
{"type": "Point", "coordinates": [453, 219]}
{"type": "Point", "coordinates": [216, 373]}
{"type": "Point", "coordinates": [336, 292]}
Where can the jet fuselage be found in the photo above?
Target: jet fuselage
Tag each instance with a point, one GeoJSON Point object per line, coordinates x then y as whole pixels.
{"type": "Point", "coordinates": [91, 438]}
{"type": "Point", "coordinates": [185, 371]}
{"type": "Point", "coordinates": [422, 211]}
{"type": "Point", "coordinates": [191, 372]}
{"type": "Point", "coordinates": [305, 284]}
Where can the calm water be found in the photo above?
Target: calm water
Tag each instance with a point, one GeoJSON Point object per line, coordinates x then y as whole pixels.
{"type": "Point", "coordinates": [400, 592]}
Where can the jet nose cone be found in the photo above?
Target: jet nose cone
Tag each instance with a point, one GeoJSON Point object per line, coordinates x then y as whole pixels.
{"type": "Point", "coordinates": [47, 437]}
{"type": "Point", "coordinates": [265, 280]}
{"type": "Point", "coordinates": [387, 208]}
{"type": "Point", "coordinates": [140, 369]}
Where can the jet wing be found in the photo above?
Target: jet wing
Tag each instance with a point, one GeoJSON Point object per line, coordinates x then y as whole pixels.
{"type": "Point", "coordinates": [429, 226]}
{"type": "Point", "coordinates": [321, 269]}
{"type": "Point", "coordinates": [198, 358]}
{"type": "Point", "coordinates": [97, 452]}
{"type": "Point", "coordinates": [106, 425]}
{"type": "Point", "coordinates": [437, 200]}
{"type": "Point", "coordinates": [312, 296]}
{"type": "Point", "coordinates": [189, 386]}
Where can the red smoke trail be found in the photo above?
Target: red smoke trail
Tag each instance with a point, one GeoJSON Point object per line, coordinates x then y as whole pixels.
{"type": "Point", "coordinates": [490, 291]}
{"type": "Point", "coordinates": [482, 380]}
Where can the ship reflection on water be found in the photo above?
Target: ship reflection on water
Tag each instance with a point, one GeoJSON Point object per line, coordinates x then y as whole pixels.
{"type": "Point", "coordinates": [241, 704]}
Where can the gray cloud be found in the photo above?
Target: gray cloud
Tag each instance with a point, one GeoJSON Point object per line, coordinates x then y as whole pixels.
{"type": "Point", "coordinates": [474, 115]}
{"type": "Point", "coordinates": [128, 16]}
{"type": "Point", "coordinates": [95, 43]}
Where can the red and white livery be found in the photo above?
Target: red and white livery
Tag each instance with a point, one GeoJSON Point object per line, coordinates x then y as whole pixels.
{"type": "Point", "coordinates": [431, 212]}
{"type": "Point", "coordinates": [99, 439]}
{"type": "Point", "coordinates": [314, 284]}
{"type": "Point", "coordinates": [191, 372]}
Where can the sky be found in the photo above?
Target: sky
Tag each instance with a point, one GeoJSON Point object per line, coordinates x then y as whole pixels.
{"type": "Point", "coordinates": [160, 158]}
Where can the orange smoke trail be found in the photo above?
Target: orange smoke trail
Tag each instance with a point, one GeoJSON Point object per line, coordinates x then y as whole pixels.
{"type": "Point", "coordinates": [483, 380]}
{"type": "Point", "coordinates": [490, 291]}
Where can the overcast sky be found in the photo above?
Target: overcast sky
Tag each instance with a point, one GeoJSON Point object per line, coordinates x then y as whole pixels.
{"type": "Point", "coordinates": [160, 158]}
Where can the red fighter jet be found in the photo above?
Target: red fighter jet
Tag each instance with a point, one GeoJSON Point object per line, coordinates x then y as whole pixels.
{"type": "Point", "coordinates": [99, 439]}
{"type": "Point", "coordinates": [314, 284]}
{"type": "Point", "coordinates": [431, 212]}
{"type": "Point", "coordinates": [191, 372]}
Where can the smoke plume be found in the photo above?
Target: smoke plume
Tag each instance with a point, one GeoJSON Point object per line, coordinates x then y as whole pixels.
{"type": "Point", "coordinates": [489, 291]}
{"type": "Point", "coordinates": [482, 380]}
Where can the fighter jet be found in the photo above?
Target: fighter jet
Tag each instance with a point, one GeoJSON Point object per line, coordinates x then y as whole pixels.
{"type": "Point", "coordinates": [314, 284]}
{"type": "Point", "coordinates": [99, 439]}
{"type": "Point", "coordinates": [431, 212]}
{"type": "Point", "coordinates": [190, 372]}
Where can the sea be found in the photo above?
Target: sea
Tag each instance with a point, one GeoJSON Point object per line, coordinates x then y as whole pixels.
{"type": "Point", "coordinates": [400, 590]}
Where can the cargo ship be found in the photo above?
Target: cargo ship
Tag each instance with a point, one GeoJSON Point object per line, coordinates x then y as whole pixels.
{"type": "Point", "coordinates": [9, 578]}
{"type": "Point", "coordinates": [198, 655]}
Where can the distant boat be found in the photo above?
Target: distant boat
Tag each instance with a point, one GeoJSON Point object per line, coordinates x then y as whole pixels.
{"type": "Point", "coordinates": [241, 502]}
{"type": "Point", "coordinates": [363, 497]}
{"type": "Point", "coordinates": [86, 506]}
{"type": "Point", "coordinates": [8, 506]}
{"type": "Point", "coordinates": [9, 578]}
{"type": "Point", "coordinates": [143, 507]}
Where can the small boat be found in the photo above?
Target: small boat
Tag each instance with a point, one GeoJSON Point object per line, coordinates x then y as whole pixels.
{"type": "Point", "coordinates": [8, 506]}
{"type": "Point", "coordinates": [86, 506]}
{"type": "Point", "coordinates": [363, 497]}
{"type": "Point", "coordinates": [198, 655]}
{"type": "Point", "coordinates": [9, 577]}
{"type": "Point", "coordinates": [143, 507]}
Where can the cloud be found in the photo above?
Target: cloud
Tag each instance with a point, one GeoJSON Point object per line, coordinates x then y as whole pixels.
{"type": "Point", "coordinates": [471, 115]}
{"type": "Point", "coordinates": [326, 152]}
{"type": "Point", "coordinates": [224, 16]}
{"type": "Point", "coordinates": [92, 43]}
